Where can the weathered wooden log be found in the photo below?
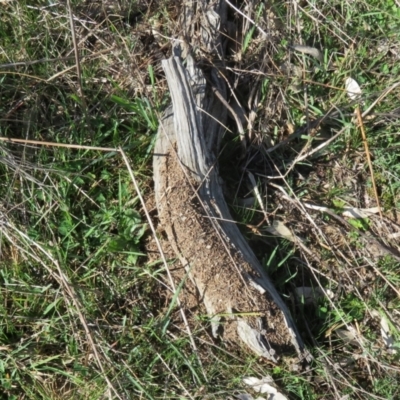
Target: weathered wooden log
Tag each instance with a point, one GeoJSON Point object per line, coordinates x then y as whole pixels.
{"type": "Point", "coordinates": [241, 301]}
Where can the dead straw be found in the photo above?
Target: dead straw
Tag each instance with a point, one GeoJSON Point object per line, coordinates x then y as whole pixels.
{"type": "Point", "coordinates": [371, 170]}
{"type": "Point", "coordinates": [53, 144]}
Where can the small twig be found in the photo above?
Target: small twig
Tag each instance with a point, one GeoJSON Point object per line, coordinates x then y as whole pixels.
{"type": "Point", "coordinates": [53, 144]}
{"type": "Point", "coordinates": [307, 127]}
{"type": "Point", "coordinates": [369, 239]}
{"type": "Point", "coordinates": [234, 115]}
{"type": "Point", "coordinates": [27, 63]}
{"type": "Point", "coordinates": [380, 98]}
{"type": "Point", "coordinates": [76, 52]}
{"type": "Point", "coordinates": [174, 376]}
{"type": "Point", "coordinates": [257, 194]}
{"type": "Point", "coordinates": [371, 170]}
{"type": "Point", "coordinates": [85, 58]}
{"type": "Point", "coordinates": [265, 34]}
{"type": "Point", "coordinates": [301, 157]}
{"type": "Point", "coordinates": [33, 77]}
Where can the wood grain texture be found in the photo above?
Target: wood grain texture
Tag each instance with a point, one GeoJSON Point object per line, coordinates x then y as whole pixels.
{"type": "Point", "coordinates": [241, 301]}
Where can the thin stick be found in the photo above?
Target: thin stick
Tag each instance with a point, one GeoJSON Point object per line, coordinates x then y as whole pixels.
{"type": "Point", "coordinates": [234, 115]}
{"type": "Point", "coordinates": [380, 98]}
{"type": "Point", "coordinates": [265, 34]}
{"type": "Point", "coordinates": [369, 239]}
{"type": "Point", "coordinates": [76, 52]}
{"type": "Point", "coordinates": [41, 60]}
{"type": "Point", "coordinates": [67, 145]}
{"type": "Point", "coordinates": [22, 74]}
{"type": "Point", "coordinates": [371, 170]}
{"type": "Point", "coordinates": [174, 375]}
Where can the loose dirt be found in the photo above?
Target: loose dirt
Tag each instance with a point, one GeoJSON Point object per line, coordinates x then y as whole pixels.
{"type": "Point", "coordinates": [218, 271]}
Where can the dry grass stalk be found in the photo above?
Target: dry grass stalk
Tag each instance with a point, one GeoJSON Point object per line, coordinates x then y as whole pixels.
{"type": "Point", "coordinates": [367, 153]}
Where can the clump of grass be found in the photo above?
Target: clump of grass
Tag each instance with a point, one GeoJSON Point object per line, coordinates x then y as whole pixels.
{"type": "Point", "coordinates": [73, 269]}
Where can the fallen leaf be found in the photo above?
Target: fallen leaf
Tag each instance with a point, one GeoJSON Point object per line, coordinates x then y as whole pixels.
{"type": "Point", "coordinates": [263, 386]}
{"type": "Point", "coordinates": [278, 228]}
{"type": "Point", "coordinates": [387, 338]}
{"type": "Point", "coordinates": [252, 337]}
{"type": "Point", "coordinates": [353, 89]}
{"type": "Point", "coordinates": [353, 212]}
{"type": "Point", "coordinates": [246, 396]}
{"type": "Point", "coordinates": [312, 51]}
{"type": "Point", "coordinates": [349, 336]}
{"type": "Point", "coordinates": [375, 314]}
